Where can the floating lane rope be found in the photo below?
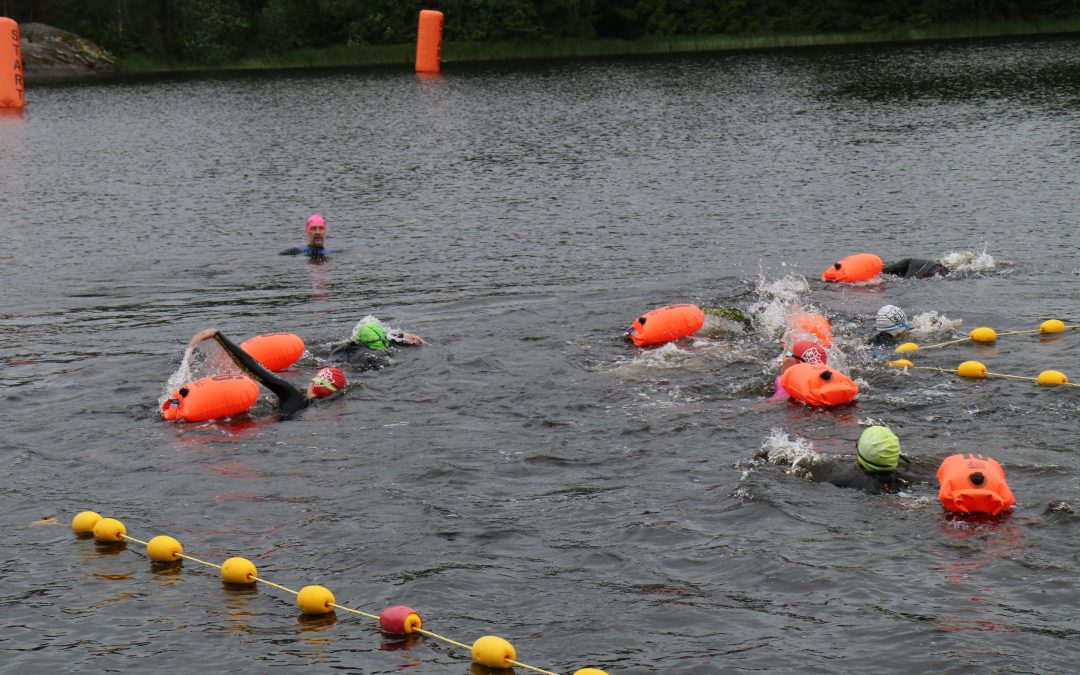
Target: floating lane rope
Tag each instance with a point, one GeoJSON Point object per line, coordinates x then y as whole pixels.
{"type": "Point", "coordinates": [489, 650]}
{"type": "Point", "coordinates": [976, 370]}
{"type": "Point", "coordinates": [984, 335]}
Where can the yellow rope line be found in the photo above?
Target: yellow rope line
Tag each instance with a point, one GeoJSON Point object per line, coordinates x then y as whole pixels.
{"type": "Point", "coordinates": [942, 344]}
{"type": "Point", "coordinates": [532, 668]}
{"type": "Point", "coordinates": [1015, 377]}
{"type": "Point", "coordinates": [354, 611]}
{"type": "Point", "coordinates": [351, 610]}
{"type": "Point", "coordinates": [440, 637]}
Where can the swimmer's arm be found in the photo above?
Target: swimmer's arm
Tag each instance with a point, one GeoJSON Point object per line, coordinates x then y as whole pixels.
{"type": "Point", "coordinates": [402, 338]}
{"type": "Point", "coordinates": [290, 399]}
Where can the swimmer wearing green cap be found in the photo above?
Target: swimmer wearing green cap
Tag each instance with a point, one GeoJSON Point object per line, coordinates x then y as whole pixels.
{"type": "Point", "coordinates": [371, 346]}
{"type": "Point", "coordinates": [877, 457]}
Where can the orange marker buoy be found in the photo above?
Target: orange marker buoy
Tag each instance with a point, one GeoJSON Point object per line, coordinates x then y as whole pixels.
{"type": "Point", "coordinates": [973, 484]}
{"type": "Point", "coordinates": [818, 385]}
{"type": "Point", "coordinates": [665, 324]}
{"type": "Point", "coordinates": [211, 398]}
{"type": "Point", "coordinates": [275, 351]}
{"type": "Point", "coordinates": [12, 88]}
{"type": "Point", "coordinates": [816, 325]}
{"type": "Point", "coordinates": [858, 267]}
{"type": "Point", "coordinates": [429, 41]}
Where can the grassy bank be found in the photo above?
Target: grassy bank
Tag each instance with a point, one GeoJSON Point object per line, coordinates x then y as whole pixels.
{"type": "Point", "coordinates": [463, 52]}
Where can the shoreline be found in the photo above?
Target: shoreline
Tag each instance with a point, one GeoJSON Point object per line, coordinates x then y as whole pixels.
{"type": "Point", "coordinates": [454, 53]}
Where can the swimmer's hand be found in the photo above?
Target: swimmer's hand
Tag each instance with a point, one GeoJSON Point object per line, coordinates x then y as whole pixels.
{"type": "Point", "coordinates": [413, 339]}
{"type": "Point", "coordinates": [203, 335]}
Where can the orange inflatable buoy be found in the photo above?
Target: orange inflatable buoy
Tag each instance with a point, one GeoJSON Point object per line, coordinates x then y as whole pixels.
{"type": "Point", "coordinates": [275, 351]}
{"type": "Point", "coordinates": [664, 324]}
{"type": "Point", "coordinates": [211, 398]}
{"type": "Point", "coordinates": [816, 325]}
{"type": "Point", "coordinates": [817, 384]}
{"type": "Point", "coordinates": [858, 267]}
{"type": "Point", "coordinates": [973, 484]}
{"type": "Point", "coordinates": [429, 41]}
{"type": "Point", "coordinates": [12, 87]}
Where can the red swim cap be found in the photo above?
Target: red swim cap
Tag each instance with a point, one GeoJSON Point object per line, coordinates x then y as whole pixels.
{"type": "Point", "coordinates": [328, 380]}
{"type": "Point", "coordinates": [314, 220]}
{"type": "Point", "coordinates": [809, 351]}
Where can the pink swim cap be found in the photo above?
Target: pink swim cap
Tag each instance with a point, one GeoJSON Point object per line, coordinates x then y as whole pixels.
{"type": "Point", "coordinates": [314, 220]}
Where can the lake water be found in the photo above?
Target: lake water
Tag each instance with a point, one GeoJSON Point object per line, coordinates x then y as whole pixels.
{"type": "Point", "coordinates": [529, 474]}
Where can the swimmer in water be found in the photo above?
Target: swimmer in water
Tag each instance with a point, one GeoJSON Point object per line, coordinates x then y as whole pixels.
{"type": "Point", "coordinates": [316, 239]}
{"type": "Point", "coordinates": [877, 456]}
{"type": "Point", "coordinates": [370, 347]}
{"type": "Point", "coordinates": [916, 268]}
{"type": "Point", "coordinates": [892, 324]}
{"type": "Point", "coordinates": [803, 351]}
{"type": "Point", "coordinates": [326, 382]}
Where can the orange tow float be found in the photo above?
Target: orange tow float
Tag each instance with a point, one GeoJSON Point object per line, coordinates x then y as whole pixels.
{"type": "Point", "coordinates": [818, 385]}
{"type": "Point", "coordinates": [275, 351]}
{"type": "Point", "coordinates": [858, 267]}
{"type": "Point", "coordinates": [211, 398]}
{"type": "Point", "coordinates": [973, 484]}
{"type": "Point", "coordinates": [665, 324]}
{"type": "Point", "coordinates": [814, 324]}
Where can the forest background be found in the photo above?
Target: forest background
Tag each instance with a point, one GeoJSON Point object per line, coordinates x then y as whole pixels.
{"type": "Point", "coordinates": [221, 32]}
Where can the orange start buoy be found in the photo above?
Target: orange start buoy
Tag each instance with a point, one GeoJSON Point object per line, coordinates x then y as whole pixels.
{"type": "Point", "coordinates": [858, 267]}
{"type": "Point", "coordinates": [211, 398]}
{"type": "Point", "coordinates": [814, 324]}
{"type": "Point", "coordinates": [665, 324]}
{"type": "Point", "coordinates": [275, 351]}
{"type": "Point", "coordinates": [429, 41]}
{"type": "Point", "coordinates": [972, 483]}
{"type": "Point", "coordinates": [818, 385]}
{"type": "Point", "coordinates": [12, 87]}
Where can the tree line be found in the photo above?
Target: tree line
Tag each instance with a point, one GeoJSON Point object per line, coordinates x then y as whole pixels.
{"type": "Point", "coordinates": [219, 31]}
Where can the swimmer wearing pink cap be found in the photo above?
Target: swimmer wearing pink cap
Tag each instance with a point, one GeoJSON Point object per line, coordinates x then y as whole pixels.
{"type": "Point", "coordinates": [316, 239]}
{"type": "Point", "coordinates": [803, 351]}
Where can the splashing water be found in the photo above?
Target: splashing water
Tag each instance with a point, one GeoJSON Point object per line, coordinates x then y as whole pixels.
{"type": "Point", "coordinates": [933, 322]}
{"type": "Point", "coordinates": [793, 453]}
{"type": "Point", "coordinates": [969, 262]}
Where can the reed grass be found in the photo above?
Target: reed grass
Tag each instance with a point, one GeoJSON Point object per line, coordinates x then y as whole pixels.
{"type": "Point", "coordinates": [465, 52]}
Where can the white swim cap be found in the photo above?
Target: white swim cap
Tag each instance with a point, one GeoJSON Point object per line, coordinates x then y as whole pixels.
{"type": "Point", "coordinates": [892, 320]}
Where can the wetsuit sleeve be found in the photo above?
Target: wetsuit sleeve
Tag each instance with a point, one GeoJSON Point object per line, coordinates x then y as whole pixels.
{"type": "Point", "coordinates": [898, 268]}
{"type": "Point", "coordinates": [290, 399]}
{"type": "Point", "coordinates": [292, 251]}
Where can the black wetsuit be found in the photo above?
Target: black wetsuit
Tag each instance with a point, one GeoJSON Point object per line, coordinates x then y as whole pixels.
{"type": "Point", "coordinates": [915, 268]}
{"type": "Point", "coordinates": [362, 357]}
{"type": "Point", "coordinates": [290, 399]}
{"type": "Point", "coordinates": [848, 474]}
{"type": "Point", "coordinates": [884, 339]}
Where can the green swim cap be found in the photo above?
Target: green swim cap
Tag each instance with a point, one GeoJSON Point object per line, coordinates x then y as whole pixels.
{"type": "Point", "coordinates": [879, 449]}
{"type": "Point", "coordinates": [372, 336]}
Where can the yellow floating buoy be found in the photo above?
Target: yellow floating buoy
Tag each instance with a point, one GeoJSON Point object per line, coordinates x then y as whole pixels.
{"type": "Point", "coordinates": [315, 600]}
{"type": "Point", "coordinates": [1052, 378]}
{"type": "Point", "coordinates": [971, 369]}
{"type": "Point", "coordinates": [907, 347]}
{"type": "Point", "coordinates": [164, 549]}
{"type": "Point", "coordinates": [84, 522]}
{"type": "Point", "coordinates": [590, 671]}
{"type": "Point", "coordinates": [1052, 326]}
{"type": "Point", "coordinates": [493, 652]}
{"type": "Point", "coordinates": [901, 363]}
{"type": "Point", "coordinates": [109, 529]}
{"type": "Point", "coordinates": [238, 571]}
{"type": "Point", "coordinates": [983, 334]}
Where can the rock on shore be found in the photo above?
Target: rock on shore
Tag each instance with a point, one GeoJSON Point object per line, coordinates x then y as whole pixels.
{"type": "Point", "coordinates": [51, 54]}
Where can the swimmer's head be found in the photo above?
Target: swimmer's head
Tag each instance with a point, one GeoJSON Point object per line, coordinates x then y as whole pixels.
{"type": "Point", "coordinates": [808, 351]}
{"type": "Point", "coordinates": [316, 230]}
{"type": "Point", "coordinates": [327, 381]}
{"type": "Point", "coordinates": [892, 320]}
{"type": "Point", "coordinates": [372, 335]}
{"type": "Point", "coordinates": [878, 449]}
